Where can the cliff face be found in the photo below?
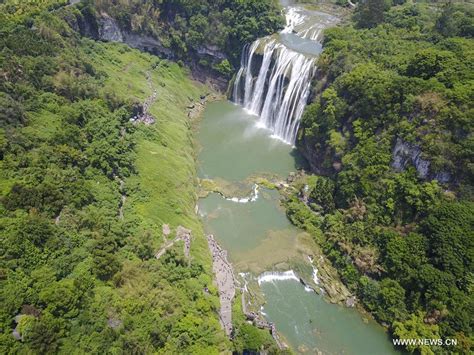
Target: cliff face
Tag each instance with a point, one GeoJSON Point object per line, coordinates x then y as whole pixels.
{"type": "Point", "coordinates": [109, 29]}
{"type": "Point", "coordinates": [102, 26]}
{"type": "Point", "coordinates": [324, 161]}
{"type": "Point", "coordinates": [404, 154]}
{"type": "Point", "coordinates": [321, 159]}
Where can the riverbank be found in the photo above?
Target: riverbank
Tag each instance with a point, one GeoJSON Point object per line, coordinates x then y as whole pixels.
{"type": "Point", "coordinates": [161, 196]}
{"type": "Point", "coordinates": [247, 219]}
{"type": "Point", "coordinates": [245, 158]}
{"type": "Point", "coordinates": [272, 254]}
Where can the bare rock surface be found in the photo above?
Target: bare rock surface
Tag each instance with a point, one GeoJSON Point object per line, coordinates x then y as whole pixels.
{"type": "Point", "coordinates": [109, 30]}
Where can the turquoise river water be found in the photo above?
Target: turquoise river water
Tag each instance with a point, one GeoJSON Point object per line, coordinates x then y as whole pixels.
{"type": "Point", "coordinates": [257, 233]}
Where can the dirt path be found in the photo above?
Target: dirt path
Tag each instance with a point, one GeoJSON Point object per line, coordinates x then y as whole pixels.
{"type": "Point", "coordinates": [224, 277]}
{"type": "Point", "coordinates": [144, 116]}
{"type": "Point", "coordinates": [181, 234]}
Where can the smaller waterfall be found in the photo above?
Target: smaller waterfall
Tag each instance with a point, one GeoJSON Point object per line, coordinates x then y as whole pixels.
{"type": "Point", "coordinates": [313, 33]}
{"type": "Point", "coordinates": [294, 18]}
{"type": "Point", "coordinates": [272, 276]}
{"type": "Point", "coordinates": [252, 198]}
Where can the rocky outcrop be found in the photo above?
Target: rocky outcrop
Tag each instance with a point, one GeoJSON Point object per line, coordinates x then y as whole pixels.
{"type": "Point", "coordinates": [166, 230]}
{"type": "Point", "coordinates": [142, 112]}
{"type": "Point", "coordinates": [324, 161]}
{"type": "Point", "coordinates": [184, 235]}
{"type": "Point", "coordinates": [109, 30]}
{"type": "Point", "coordinates": [147, 43]}
{"type": "Point", "coordinates": [212, 51]}
{"type": "Point", "coordinates": [405, 153]}
{"type": "Point", "coordinates": [181, 234]}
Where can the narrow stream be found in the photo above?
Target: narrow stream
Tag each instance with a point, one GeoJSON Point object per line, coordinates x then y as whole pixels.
{"type": "Point", "coordinates": [236, 144]}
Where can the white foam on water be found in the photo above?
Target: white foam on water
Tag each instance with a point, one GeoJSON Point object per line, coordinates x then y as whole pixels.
{"type": "Point", "coordinates": [315, 275]}
{"type": "Point", "coordinates": [315, 271]}
{"type": "Point", "coordinates": [252, 198]}
{"type": "Point", "coordinates": [277, 276]}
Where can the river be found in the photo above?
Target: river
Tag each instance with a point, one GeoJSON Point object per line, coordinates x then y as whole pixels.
{"type": "Point", "coordinates": [238, 143]}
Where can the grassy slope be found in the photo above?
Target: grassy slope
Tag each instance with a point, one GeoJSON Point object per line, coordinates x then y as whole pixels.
{"type": "Point", "coordinates": [164, 188]}
{"type": "Point", "coordinates": [166, 178]}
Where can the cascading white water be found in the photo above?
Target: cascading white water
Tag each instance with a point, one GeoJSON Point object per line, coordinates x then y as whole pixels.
{"type": "Point", "coordinates": [313, 33]}
{"type": "Point", "coordinates": [274, 80]}
{"type": "Point", "coordinates": [293, 19]}
{"type": "Point", "coordinates": [278, 94]}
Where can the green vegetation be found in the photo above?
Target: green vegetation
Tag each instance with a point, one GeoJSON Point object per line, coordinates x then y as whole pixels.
{"type": "Point", "coordinates": [249, 337]}
{"type": "Point", "coordinates": [403, 241]}
{"type": "Point", "coordinates": [190, 26]}
{"type": "Point", "coordinates": [85, 191]}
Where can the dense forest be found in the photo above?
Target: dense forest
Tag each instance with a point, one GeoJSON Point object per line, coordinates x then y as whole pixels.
{"type": "Point", "coordinates": [86, 186]}
{"type": "Point", "coordinates": [96, 155]}
{"type": "Point", "coordinates": [390, 134]}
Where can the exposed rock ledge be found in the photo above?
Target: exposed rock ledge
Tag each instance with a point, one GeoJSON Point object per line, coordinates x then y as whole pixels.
{"type": "Point", "coordinates": [104, 27]}
{"type": "Point", "coordinates": [109, 29]}
{"type": "Point", "coordinates": [405, 153]}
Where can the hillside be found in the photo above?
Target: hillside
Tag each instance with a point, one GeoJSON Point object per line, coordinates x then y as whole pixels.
{"type": "Point", "coordinates": [389, 132]}
{"type": "Point", "coordinates": [96, 156]}
{"type": "Point", "coordinates": [208, 36]}
{"type": "Point", "coordinates": [102, 249]}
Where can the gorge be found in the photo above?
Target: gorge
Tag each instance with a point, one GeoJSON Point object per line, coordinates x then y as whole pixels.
{"type": "Point", "coordinates": [324, 205]}
{"type": "Point", "coordinates": [253, 137]}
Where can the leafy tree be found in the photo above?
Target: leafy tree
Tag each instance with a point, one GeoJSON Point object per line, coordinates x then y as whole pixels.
{"type": "Point", "coordinates": [369, 291]}
{"type": "Point", "coordinates": [62, 298]}
{"type": "Point", "coordinates": [322, 192]}
{"type": "Point", "coordinates": [455, 21]}
{"type": "Point", "coordinates": [11, 112]}
{"type": "Point", "coordinates": [449, 231]}
{"type": "Point", "coordinates": [428, 63]}
{"type": "Point", "coordinates": [225, 68]}
{"type": "Point", "coordinates": [370, 13]}
{"type": "Point", "coordinates": [105, 263]}
{"type": "Point", "coordinates": [251, 339]}
{"type": "Point", "coordinates": [416, 328]}
{"type": "Point", "coordinates": [44, 333]}
{"type": "Point", "coordinates": [391, 301]}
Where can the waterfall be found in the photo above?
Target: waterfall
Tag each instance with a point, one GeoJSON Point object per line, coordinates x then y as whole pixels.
{"type": "Point", "coordinates": [275, 73]}
{"type": "Point", "coordinates": [279, 92]}
{"type": "Point", "coordinates": [271, 276]}
{"type": "Point", "coordinates": [274, 81]}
